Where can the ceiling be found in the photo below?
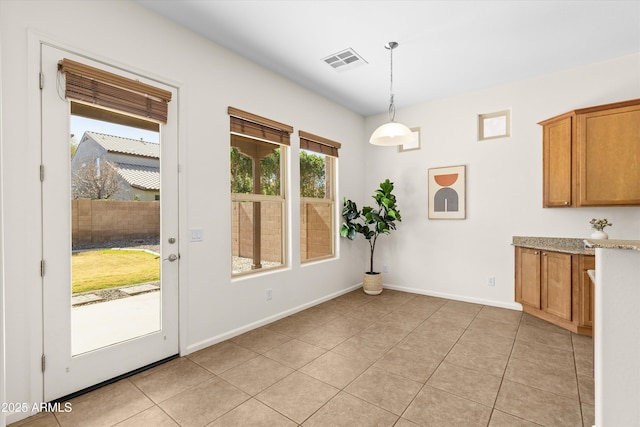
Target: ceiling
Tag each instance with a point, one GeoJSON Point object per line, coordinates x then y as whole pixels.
{"type": "Point", "coordinates": [445, 47]}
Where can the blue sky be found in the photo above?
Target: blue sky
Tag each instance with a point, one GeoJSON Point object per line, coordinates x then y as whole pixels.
{"type": "Point", "coordinates": [79, 125]}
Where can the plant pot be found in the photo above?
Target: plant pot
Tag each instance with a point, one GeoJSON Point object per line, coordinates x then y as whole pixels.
{"type": "Point", "coordinates": [599, 234]}
{"type": "Point", "coordinates": [372, 283]}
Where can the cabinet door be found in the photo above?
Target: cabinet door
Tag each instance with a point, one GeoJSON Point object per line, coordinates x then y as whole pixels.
{"type": "Point", "coordinates": [587, 290]}
{"type": "Point", "coordinates": [555, 285]}
{"type": "Point", "coordinates": [528, 277]}
{"type": "Point", "coordinates": [557, 163]}
{"type": "Point", "coordinates": [609, 157]}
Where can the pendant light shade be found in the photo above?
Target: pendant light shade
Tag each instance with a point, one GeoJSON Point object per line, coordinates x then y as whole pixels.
{"type": "Point", "coordinates": [391, 133]}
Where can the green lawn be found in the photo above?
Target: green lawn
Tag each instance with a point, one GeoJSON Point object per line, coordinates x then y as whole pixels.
{"type": "Point", "coordinates": [103, 269]}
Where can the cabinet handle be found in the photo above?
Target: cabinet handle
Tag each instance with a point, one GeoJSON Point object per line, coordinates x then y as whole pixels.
{"type": "Point", "coordinates": [544, 254]}
{"type": "Point", "coordinates": [536, 252]}
{"type": "Point", "coordinates": [566, 203]}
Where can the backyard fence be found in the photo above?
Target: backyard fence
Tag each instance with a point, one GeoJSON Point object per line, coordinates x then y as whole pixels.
{"type": "Point", "coordinates": [97, 221]}
{"type": "Point", "coordinates": [315, 233]}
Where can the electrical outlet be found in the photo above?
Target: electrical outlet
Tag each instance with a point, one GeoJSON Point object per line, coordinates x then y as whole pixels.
{"type": "Point", "coordinates": [491, 281]}
{"type": "Point", "coordinates": [385, 268]}
{"type": "Point", "coordinates": [269, 294]}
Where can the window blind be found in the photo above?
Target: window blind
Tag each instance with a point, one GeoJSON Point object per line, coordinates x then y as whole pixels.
{"type": "Point", "coordinates": [99, 87]}
{"type": "Point", "coordinates": [318, 144]}
{"type": "Point", "coordinates": [254, 126]}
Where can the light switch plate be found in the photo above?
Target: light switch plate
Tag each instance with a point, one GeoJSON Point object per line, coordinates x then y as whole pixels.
{"type": "Point", "coordinates": [196, 235]}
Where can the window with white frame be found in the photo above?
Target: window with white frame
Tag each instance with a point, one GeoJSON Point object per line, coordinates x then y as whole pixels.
{"type": "Point", "coordinates": [258, 150]}
{"type": "Point", "coordinates": [317, 196]}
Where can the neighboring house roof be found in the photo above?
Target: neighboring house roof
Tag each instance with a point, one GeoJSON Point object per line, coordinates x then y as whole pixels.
{"type": "Point", "coordinates": [137, 175]}
{"type": "Point", "coordinates": [143, 177]}
{"type": "Point", "coordinates": [117, 144]}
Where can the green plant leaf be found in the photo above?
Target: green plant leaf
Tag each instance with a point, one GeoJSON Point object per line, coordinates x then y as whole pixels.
{"type": "Point", "coordinates": [352, 234]}
{"type": "Point", "coordinates": [371, 222]}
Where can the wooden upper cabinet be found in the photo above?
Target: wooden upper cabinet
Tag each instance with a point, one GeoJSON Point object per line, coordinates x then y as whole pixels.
{"type": "Point", "coordinates": [557, 162]}
{"type": "Point", "coordinates": [591, 156]}
{"type": "Point", "coordinates": [609, 157]}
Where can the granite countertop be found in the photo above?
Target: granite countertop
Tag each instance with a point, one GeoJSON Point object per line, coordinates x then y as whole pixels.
{"type": "Point", "coordinates": [613, 244]}
{"type": "Point", "coordinates": [574, 246]}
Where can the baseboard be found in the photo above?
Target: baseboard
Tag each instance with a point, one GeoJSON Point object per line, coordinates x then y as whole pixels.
{"type": "Point", "coordinates": [265, 321]}
{"type": "Point", "coordinates": [500, 304]}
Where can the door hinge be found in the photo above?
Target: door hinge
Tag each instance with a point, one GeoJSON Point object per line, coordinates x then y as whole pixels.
{"type": "Point", "coordinates": [41, 80]}
{"type": "Point", "coordinates": [42, 268]}
{"type": "Point", "coordinates": [41, 173]}
{"type": "Point", "coordinates": [43, 362]}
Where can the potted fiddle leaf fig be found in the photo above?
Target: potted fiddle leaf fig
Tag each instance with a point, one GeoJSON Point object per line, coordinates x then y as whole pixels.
{"type": "Point", "coordinates": [371, 222]}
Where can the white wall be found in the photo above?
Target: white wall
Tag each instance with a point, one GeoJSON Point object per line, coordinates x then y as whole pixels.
{"type": "Point", "coordinates": [210, 78]}
{"type": "Point", "coordinates": [504, 182]}
{"type": "Point", "coordinates": [3, 374]}
{"type": "Point", "coordinates": [451, 258]}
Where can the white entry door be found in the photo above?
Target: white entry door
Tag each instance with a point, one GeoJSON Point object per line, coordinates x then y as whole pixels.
{"type": "Point", "coordinates": [110, 267]}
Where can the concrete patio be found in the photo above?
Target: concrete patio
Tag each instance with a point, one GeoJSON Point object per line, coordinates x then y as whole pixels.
{"type": "Point", "coordinates": [94, 326]}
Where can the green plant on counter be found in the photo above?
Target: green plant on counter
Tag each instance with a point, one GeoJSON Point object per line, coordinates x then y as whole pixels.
{"type": "Point", "coordinates": [599, 224]}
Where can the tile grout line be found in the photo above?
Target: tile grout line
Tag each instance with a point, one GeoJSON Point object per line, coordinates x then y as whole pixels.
{"type": "Point", "coordinates": [439, 364]}
{"type": "Point", "coordinates": [381, 308]}
{"type": "Point", "coordinates": [504, 372]}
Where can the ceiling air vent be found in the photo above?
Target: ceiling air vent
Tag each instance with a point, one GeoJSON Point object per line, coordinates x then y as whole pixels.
{"type": "Point", "coordinates": [344, 60]}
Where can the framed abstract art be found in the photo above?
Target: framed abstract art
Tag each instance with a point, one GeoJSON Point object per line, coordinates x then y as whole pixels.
{"type": "Point", "coordinates": [447, 188]}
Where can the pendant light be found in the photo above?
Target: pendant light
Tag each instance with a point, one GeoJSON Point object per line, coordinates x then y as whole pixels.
{"type": "Point", "coordinates": [391, 133]}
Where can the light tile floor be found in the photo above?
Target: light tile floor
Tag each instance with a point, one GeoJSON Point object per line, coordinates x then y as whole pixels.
{"type": "Point", "coordinates": [396, 359]}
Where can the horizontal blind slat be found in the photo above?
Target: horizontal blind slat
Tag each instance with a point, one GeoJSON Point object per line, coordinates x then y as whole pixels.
{"type": "Point", "coordinates": [250, 117]}
{"type": "Point", "coordinates": [256, 130]}
{"type": "Point", "coordinates": [318, 144]}
{"type": "Point", "coordinates": [90, 85]}
{"type": "Point", "coordinates": [316, 147]}
{"type": "Point", "coordinates": [67, 65]}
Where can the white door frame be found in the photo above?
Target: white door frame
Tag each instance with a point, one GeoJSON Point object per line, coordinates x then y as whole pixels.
{"type": "Point", "coordinates": [180, 214]}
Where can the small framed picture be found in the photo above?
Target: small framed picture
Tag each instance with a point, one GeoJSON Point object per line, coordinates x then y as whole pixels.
{"type": "Point", "coordinates": [413, 145]}
{"type": "Point", "coordinates": [447, 188]}
{"type": "Point", "coordinates": [494, 125]}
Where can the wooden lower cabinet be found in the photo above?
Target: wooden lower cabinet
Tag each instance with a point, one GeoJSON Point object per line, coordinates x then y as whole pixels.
{"type": "Point", "coordinates": [586, 293]}
{"type": "Point", "coordinates": [555, 287]}
{"type": "Point", "coordinates": [528, 277]}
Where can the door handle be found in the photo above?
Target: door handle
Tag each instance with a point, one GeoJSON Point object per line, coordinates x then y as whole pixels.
{"type": "Point", "coordinates": [171, 257]}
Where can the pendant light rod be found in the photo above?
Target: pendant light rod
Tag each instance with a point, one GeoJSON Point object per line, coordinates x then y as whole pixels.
{"type": "Point", "coordinates": [392, 108]}
{"type": "Point", "coordinates": [391, 133]}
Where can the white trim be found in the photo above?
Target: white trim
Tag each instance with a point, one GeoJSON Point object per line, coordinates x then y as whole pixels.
{"type": "Point", "coordinates": [3, 370]}
{"type": "Point", "coordinates": [510, 306]}
{"type": "Point", "coordinates": [183, 277]}
{"type": "Point", "coordinates": [34, 308]}
{"type": "Point", "coordinates": [34, 151]}
{"type": "Point", "coordinates": [251, 326]}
